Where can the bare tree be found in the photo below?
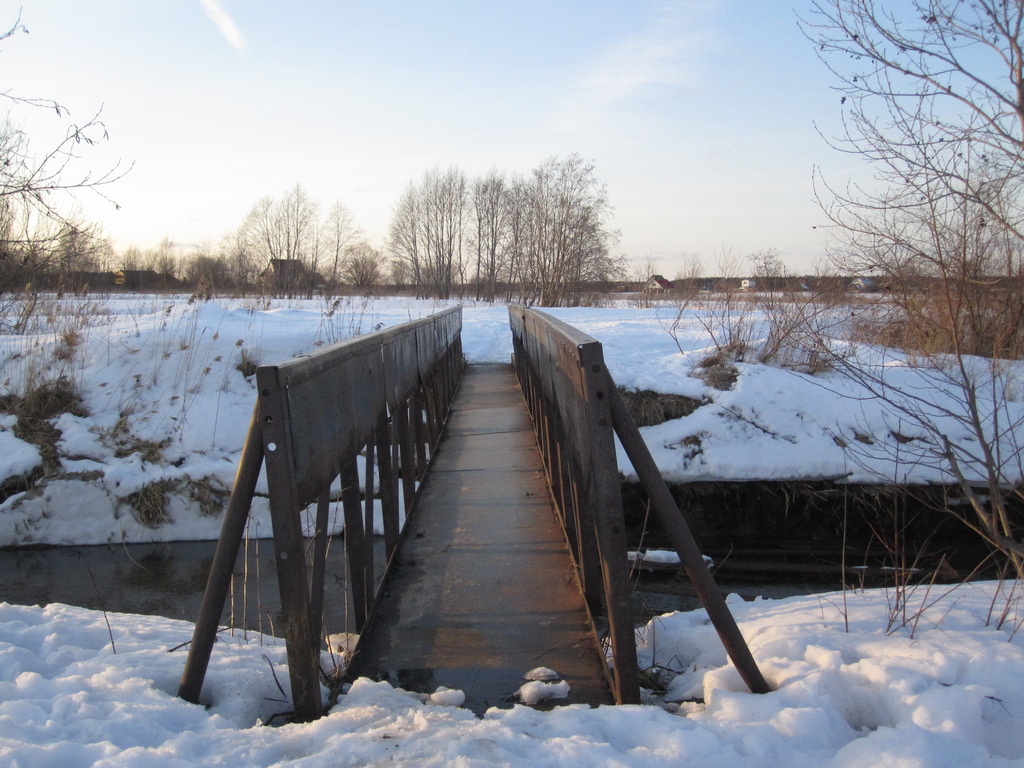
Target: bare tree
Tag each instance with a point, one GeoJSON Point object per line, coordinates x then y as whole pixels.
{"type": "Point", "coordinates": [427, 232]}
{"type": "Point", "coordinates": [363, 266]}
{"type": "Point", "coordinates": [407, 243]}
{"type": "Point", "coordinates": [208, 272]}
{"type": "Point", "coordinates": [643, 274]}
{"type": "Point", "coordinates": [283, 235]}
{"type": "Point", "coordinates": [545, 236]}
{"type": "Point", "coordinates": [518, 236]}
{"type": "Point", "coordinates": [52, 253]}
{"type": "Point", "coordinates": [81, 247]}
{"type": "Point", "coordinates": [399, 273]}
{"type": "Point", "coordinates": [567, 245]}
{"type": "Point", "coordinates": [243, 267]}
{"type": "Point", "coordinates": [33, 183]}
{"type": "Point", "coordinates": [491, 214]}
{"type": "Point", "coordinates": [132, 258]}
{"type": "Point", "coordinates": [338, 233]}
{"type": "Point", "coordinates": [162, 259]}
{"type": "Point", "coordinates": [934, 98]}
{"type": "Point", "coordinates": [444, 209]}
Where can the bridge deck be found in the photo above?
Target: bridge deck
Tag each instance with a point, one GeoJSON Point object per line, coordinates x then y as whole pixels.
{"type": "Point", "coordinates": [482, 588]}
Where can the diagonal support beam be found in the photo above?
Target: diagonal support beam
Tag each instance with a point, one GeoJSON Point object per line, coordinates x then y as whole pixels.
{"type": "Point", "coordinates": [679, 534]}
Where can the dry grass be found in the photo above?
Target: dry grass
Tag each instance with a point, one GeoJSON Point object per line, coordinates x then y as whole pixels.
{"type": "Point", "coordinates": [717, 371]}
{"type": "Point", "coordinates": [149, 504]}
{"type": "Point", "coordinates": [36, 410]}
{"type": "Point", "coordinates": [150, 451]}
{"type": "Point", "coordinates": [248, 365]}
{"type": "Point", "coordinates": [210, 499]}
{"type": "Point", "coordinates": [127, 444]}
{"type": "Point", "coordinates": [649, 408]}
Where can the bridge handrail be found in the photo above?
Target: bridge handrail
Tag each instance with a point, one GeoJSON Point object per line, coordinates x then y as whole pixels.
{"type": "Point", "coordinates": [575, 407]}
{"type": "Point", "coordinates": [565, 383]}
{"type": "Point", "coordinates": [385, 394]}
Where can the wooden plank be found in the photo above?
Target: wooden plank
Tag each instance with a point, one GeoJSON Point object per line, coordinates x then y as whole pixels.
{"type": "Point", "coordinates": [482, 588]}
{"type": "Point", "coordinates": [388, 483]}
{"type": "Point", "coordinates": [401, 368]}
{"type": "Point", "coordinates": [221, 569]}
{"type": "Point", "coordinates": [332, 415]}
{"type": "Point", "coordinates": [316, 592]}
{"type": "Point", "coordinates": [407, 453]}
{"type": "Point", "coordinates": [355, 543]}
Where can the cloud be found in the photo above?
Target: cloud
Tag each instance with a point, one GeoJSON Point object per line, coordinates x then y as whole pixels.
{"type": "Point", "coordinates": [224, 24]}
{"type": "Point", "coordinates": [668, 54]}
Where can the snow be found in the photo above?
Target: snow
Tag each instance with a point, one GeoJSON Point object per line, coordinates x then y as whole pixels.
{"type": "Point", "coordinates": [928, 677]}
{"type": "Point", "coordinates": [536, 691]}
{"type": "Point", "coordinates": [944, 689]}
{"type": "Point", "coordinates": [18, 459]}
{"type": "Point", "coordinates": [542, 673]}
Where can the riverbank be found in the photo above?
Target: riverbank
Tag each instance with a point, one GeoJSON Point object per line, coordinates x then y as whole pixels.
{"type": "Point", "coordinates": [163, 393]}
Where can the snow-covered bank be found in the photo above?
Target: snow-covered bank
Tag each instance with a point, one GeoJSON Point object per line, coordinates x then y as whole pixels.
{"type": "Point", "coordinates": [167, 406]}
{"type": "Point", "coordinates": [945, 689]}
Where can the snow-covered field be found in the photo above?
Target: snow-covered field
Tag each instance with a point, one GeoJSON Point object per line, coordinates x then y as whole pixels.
{"type": "Point", "coordinates": [167, 407]}
{"type": "Point", "coordinates": [879, 678]}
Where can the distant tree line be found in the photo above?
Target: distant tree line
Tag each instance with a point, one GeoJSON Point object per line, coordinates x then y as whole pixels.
{"type": "Point", "coordinates": [541, 239]}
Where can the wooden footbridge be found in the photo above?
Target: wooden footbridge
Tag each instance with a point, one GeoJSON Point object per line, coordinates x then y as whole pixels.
{"type": "Point", "coordinates": [512, 555]}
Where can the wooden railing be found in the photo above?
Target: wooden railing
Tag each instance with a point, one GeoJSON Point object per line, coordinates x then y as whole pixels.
{"type": "Point", "coordinates": [385, 395]}
{"type": "Point", "coordinates": [576, 411]}
{"type": "Point", "coordinates": [562, 373]}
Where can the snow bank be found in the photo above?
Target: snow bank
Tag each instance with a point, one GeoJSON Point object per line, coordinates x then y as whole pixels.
{"type": "Point", "coordinates": [944, 689]}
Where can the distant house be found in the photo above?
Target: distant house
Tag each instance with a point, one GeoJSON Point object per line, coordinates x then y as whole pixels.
{"type": "Point", "coordinates": [863, 285]}
{"type": "Point", "coordinates": [748, 284]}
{"type": "Point", "coordinates": [658, 284]}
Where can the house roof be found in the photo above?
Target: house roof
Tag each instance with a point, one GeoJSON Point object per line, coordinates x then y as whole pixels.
{"type": "Point", "coordinates": [660, 281]}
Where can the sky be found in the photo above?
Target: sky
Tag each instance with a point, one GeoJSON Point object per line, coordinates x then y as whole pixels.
{"type": "Point", "coordinates": [702, 117]}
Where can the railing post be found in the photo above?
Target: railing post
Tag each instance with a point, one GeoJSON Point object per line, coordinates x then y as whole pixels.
{"type": "Point", "coordinates": [289, 549]}
{"type": "Point", "coordinates": [388, 483]}
{"type": "Point", "coordinates": [610, 525]}
{"type": "Point", "coordinates": [316, 593]}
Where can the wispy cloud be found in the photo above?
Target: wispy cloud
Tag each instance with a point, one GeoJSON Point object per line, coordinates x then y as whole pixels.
{"type": "Point", "coordinates": [224, 24]}
{"type": "Point", "coordinates": [667, 55]}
